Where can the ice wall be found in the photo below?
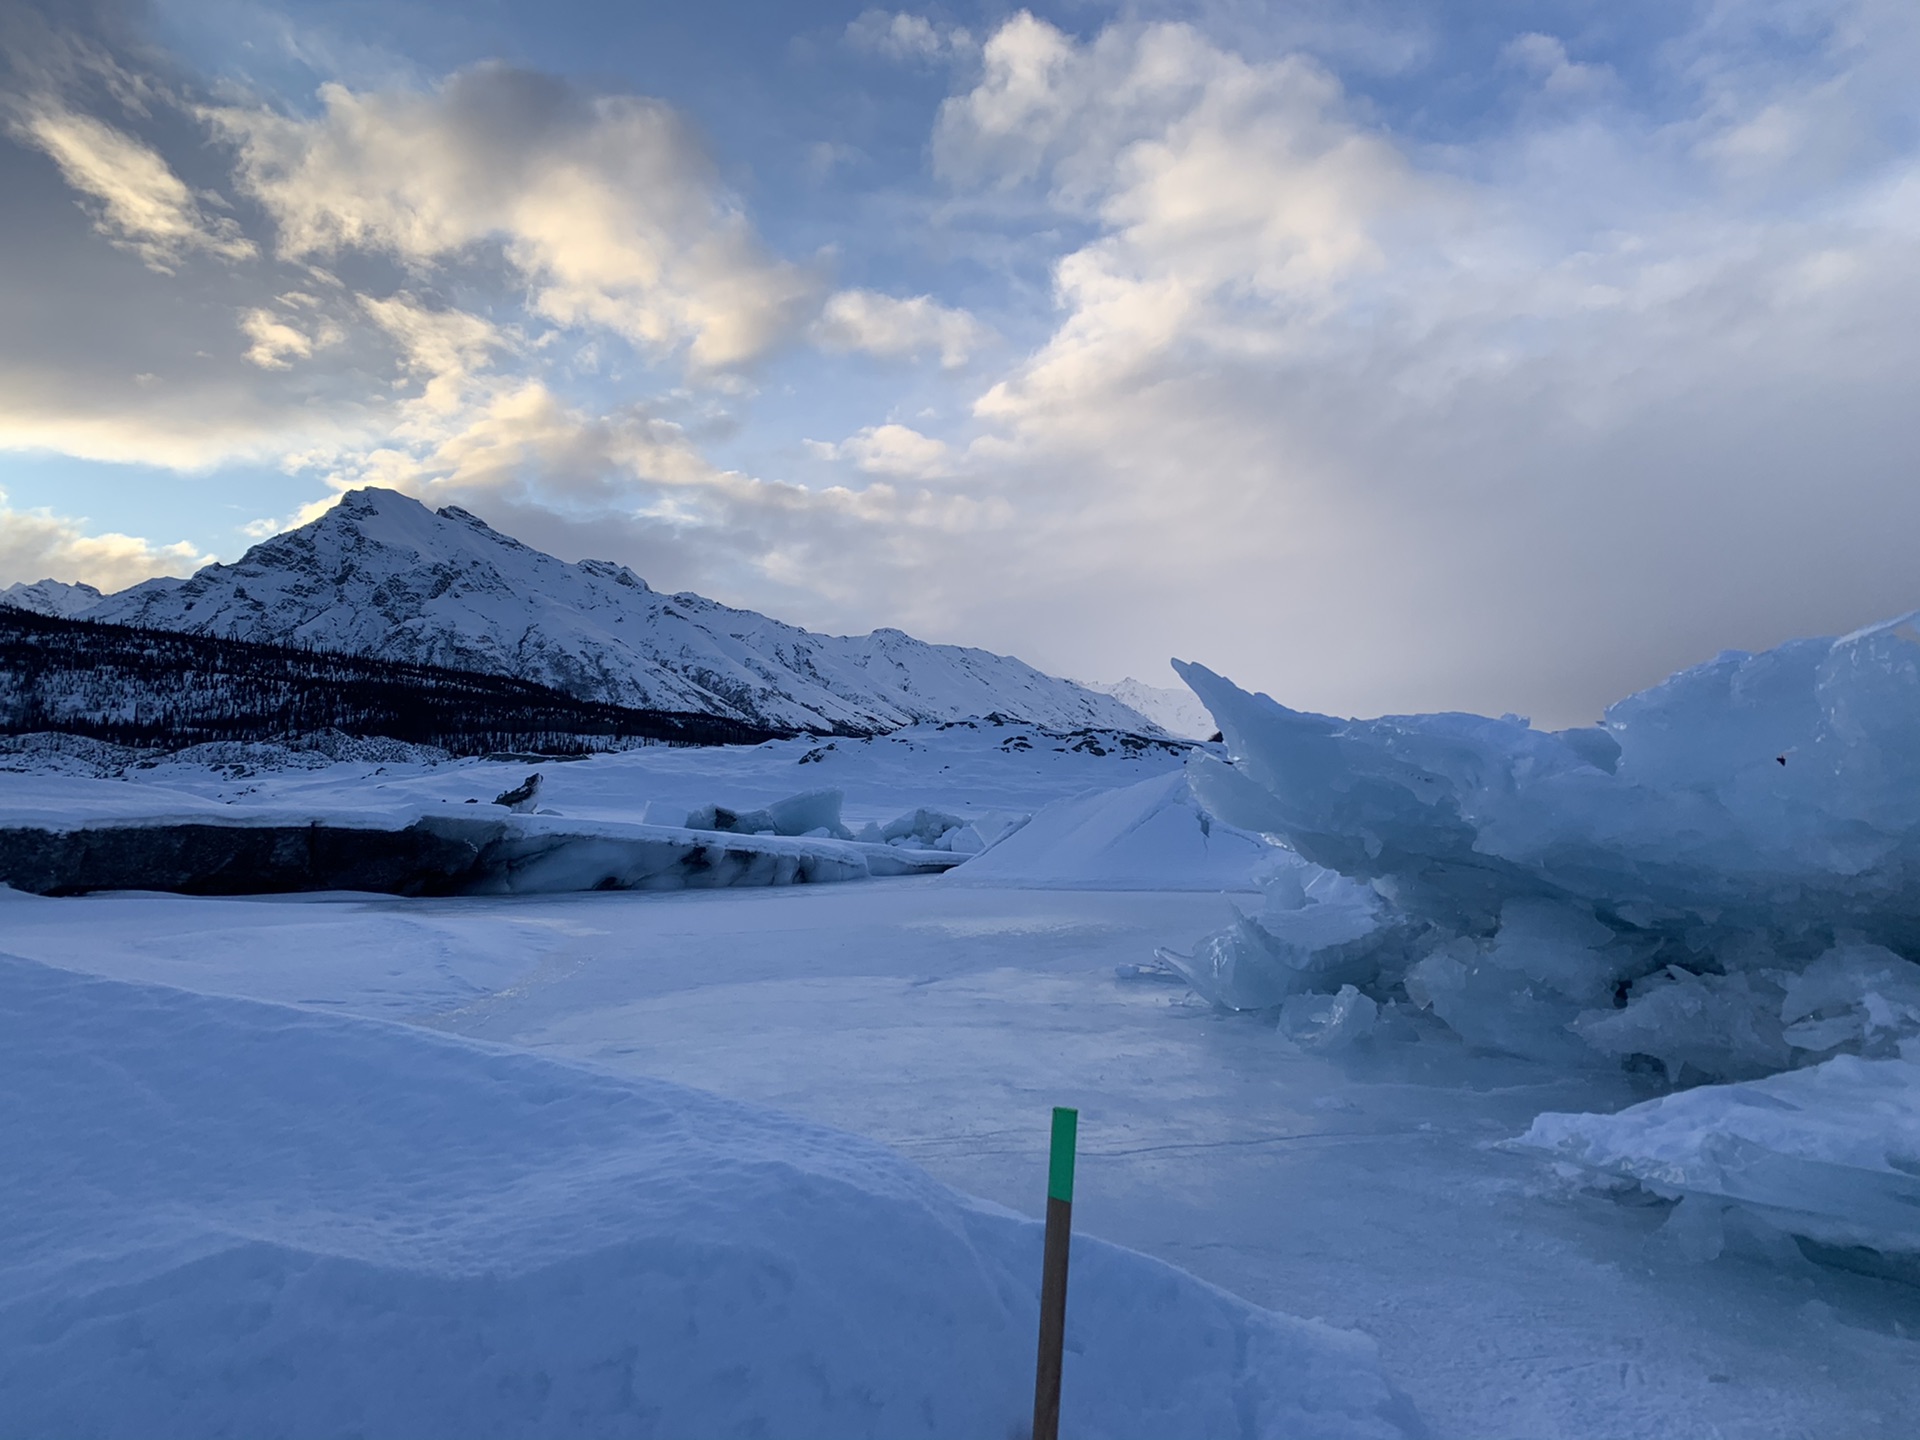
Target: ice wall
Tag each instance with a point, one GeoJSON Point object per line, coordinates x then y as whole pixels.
{"type": "Point", "coordinates": [1724, 874]}
{"type": "Point", "coordinates": [437, 854]}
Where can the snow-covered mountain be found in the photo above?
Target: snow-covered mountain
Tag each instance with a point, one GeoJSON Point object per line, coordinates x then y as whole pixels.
{"type": "Point", "coordinates": [51, 597]}
{"type": "Point", "coordinates": [381, 574]}
{"type": "Point", "coordinates": [1175, 709]}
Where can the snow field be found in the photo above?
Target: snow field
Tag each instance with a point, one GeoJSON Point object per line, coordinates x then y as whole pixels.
{"type": "Point", "coordinates": [240, 1218]}
{"type": "Point", "coordinates": [1365, 1187]}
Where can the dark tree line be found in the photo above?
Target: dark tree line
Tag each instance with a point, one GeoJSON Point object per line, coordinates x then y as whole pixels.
{"type": "Point", "coordinates": [164, 690]}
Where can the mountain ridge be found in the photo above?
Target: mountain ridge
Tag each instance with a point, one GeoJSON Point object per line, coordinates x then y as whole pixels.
{"type": "Point", "coordinates": [382, 575]}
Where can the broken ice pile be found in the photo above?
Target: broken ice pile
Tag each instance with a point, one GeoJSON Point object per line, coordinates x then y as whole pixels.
{"type": "Point", "coordinates": [1720, 880]}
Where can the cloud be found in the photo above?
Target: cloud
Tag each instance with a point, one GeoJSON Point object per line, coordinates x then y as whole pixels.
{"type": "Point", "coordinates": [900, 36]}
{"type": "Point", "coordinates": [139, 202]}
{"type": "Point", "coordinates": [1387, 426]}
{"type": "Point", "coordinates": [896, 450]}
{"type": "Point", "coordinates": [605, 204]}
{"type": "Point", "coordinates": [278, 341]}
{"type": "Point", "coordinates": [1545, 57]}
{"type": "Point", "coordinates": [37, 544]}
{"type": "Point", "coordinates": [888, 327]}
{"type": "Point", "coordinates": [1238, 202]}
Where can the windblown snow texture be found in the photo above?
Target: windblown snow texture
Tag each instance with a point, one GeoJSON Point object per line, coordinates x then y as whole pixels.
{"type": "Point", "coordinates": [235, 1218]}
{"type": "Point", "coordinates": [382, 575]}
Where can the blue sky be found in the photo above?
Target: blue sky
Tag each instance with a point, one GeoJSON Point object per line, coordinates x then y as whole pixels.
{"type": "Point", "coordinates": [1384, 356]}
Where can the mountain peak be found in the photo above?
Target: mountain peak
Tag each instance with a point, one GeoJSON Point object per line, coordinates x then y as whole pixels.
{"type": "Point", "coordinates": [51, 597]}
{"type": "Point", "coordinates": [381, 574]}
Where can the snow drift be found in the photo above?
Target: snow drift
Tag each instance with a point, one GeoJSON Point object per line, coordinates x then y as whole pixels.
{"type": "Point", "coordinates": [228, 1217]}
{"type": "Point", "coordinates": [1147, 836]}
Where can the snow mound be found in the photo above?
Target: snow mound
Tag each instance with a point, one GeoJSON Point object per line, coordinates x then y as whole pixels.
{"type": "Point", "coordinates": [1831, 1152]}
{"type": "Point", "coordinates": [1724, 874]}
{"type": "Point", "coordinates": [227, 1217]}
{"type": "Point", "coordinates": [1149, 836]}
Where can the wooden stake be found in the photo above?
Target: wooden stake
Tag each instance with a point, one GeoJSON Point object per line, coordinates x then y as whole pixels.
{"type": "Point", "coordinates": [1053, 1275]}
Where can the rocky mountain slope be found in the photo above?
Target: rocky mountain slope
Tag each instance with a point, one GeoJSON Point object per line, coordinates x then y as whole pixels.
{"type": "Point", "coordinates": [382, 575]}
{"type": "Point", "coordinates": [1176, 710]}
{"type": "Point", "coordinates": [51, 597]}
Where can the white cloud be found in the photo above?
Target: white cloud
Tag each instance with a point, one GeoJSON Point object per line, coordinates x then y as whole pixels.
{"type": "Point", "coordinates": [38, 544]}
{"type": "Point", "coordinates": [1239, 202]}
{"type": "Point", "coordinates": [1545, 58]}
{"type": "Point", "coordinates": [278, 341]}
{"type": "Point", "coordinates": [887, 326]}
{"type": "Point", "coordinates": [444, 349]}
{"type": "Point", "coordinates": [900, 36]}
{"type": "Point", "coordinates": [895, 450]}
{"type": "Point", "coordinates": [141, 203]}
{"type": "Point", "coordinates": [1519, 427]}
{"type": "Point", "coordinates": [605, 204]}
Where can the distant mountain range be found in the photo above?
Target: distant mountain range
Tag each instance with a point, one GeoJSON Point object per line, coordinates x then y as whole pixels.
{"type": "Point", "coordinates": [381, 575]}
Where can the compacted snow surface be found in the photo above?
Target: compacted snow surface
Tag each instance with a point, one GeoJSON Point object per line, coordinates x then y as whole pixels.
{"type": "Point", "coordinates": [244, 1218]}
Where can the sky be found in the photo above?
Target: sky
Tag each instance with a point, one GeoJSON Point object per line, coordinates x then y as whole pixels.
{"type": "Point", "coordinates": [1498, 355]}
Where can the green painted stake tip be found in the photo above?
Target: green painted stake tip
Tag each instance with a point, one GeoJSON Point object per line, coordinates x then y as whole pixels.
{"type": "Point", "coordinates": [1066, 1129]}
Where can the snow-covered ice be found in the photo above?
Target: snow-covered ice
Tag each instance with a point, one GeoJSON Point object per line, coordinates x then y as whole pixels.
{"type": "Point", "coordinates": [1360, 1185]}
{"type": "Point", "coordinates": [231, 1217]}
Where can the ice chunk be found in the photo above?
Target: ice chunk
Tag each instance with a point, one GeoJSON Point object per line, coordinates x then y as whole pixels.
{"type": "Point", "coordinates": [1699, 832]}
{"type": "Point", "coordinates": [661, 812]}
{"type": "Point", "coordinates": [1339, 936]}
{"type": "Point", "coordinates": [796, 815]}
{"type": "Point", "coordinates": [1328, 1022]}
{"type": "Point", "coordinates": [1831, 1152]}
{"type": "Point", "coordinates": [1863, 997]}
{"type": "Point", "coordinates": [1597, 891]}
{"type": "Point", "coordinates": [811, 810]}
{"type": "Point", "coordinates": [922, 827]}
{"type": "Point", "coordinates": [1495, 1006]}
{"type": "Point", "coordinates": [1721, 1027]}
{"type": "Point", "coordinates": [521, 797]}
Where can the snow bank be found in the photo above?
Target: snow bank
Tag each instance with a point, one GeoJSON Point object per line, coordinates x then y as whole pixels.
{"type": "Point", "coordinates": [1148, 836]}
{"type": "Point", "coordinates": [226, 1217]}
{"type": "Point", "coordinates": [1831, 1152]}
{"type": "Point", "coordinates": [1724, 874]}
